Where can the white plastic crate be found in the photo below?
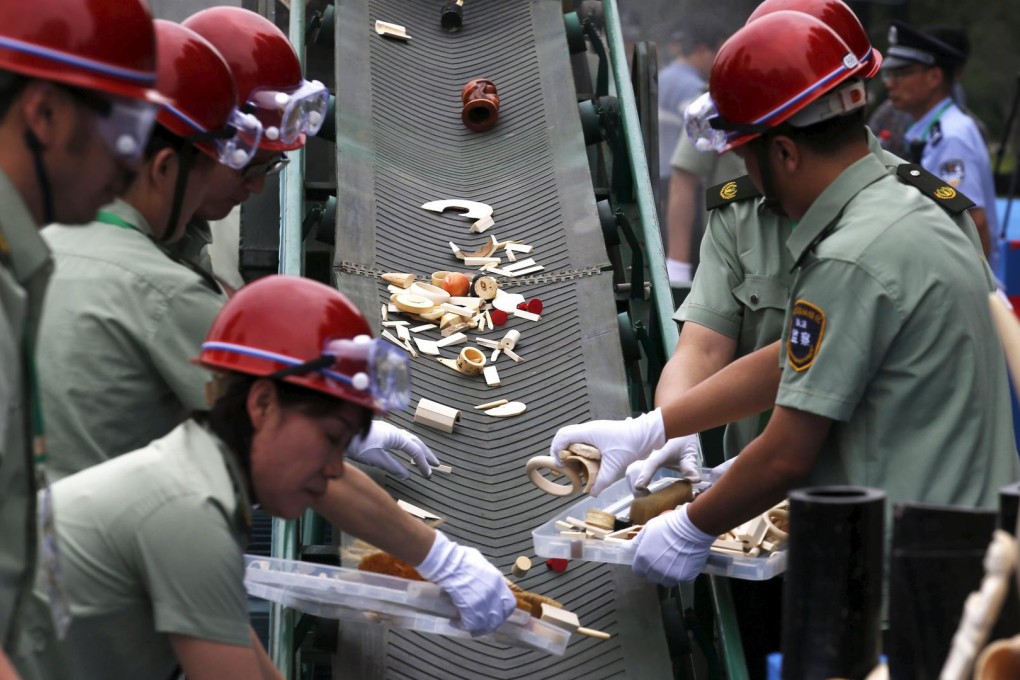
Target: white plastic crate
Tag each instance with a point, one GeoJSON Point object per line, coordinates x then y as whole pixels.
{"type": "Point", "coordinates": [617, 499]}
{"type": "Point", "coordinates": [340, 593]}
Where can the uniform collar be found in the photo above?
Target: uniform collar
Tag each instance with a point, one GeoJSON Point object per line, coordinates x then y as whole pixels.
{"type": "Point", "coordinates": [21, 245]}
{"type": "Point", "coordinates": [919, 130]}
{"type": "Point", "coordinates": [874, 146]}
{"type": "Point", "coordinates": [201, 445]}
{"type": "Point", "coordinates": [830, 203]}
{"type": "Point", "coordinates": [129, 214]}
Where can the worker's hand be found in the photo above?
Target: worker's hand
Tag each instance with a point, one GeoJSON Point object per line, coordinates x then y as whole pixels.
{"type": "Point", "coordinates": [620, 441]}
{"type": "Point", "coordinates": [372, 450]}
{"type": "Point", "coordinates": [671, 549]}
{"type": "Point", "coordinates": [716, 473]}
{"type": "Point", "coordinates": [682, 454]}
{"type": "Point", "coordinates": [476, 587]}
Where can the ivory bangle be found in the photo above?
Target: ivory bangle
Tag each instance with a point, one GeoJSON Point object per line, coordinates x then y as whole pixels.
{"type": "Point", "coordinates": [539, 462]}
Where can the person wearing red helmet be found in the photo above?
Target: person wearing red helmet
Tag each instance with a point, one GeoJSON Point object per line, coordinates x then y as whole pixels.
{"type": "Point", "coordinates": [123, 316]}
{"type": "Point", "coordinates": [862, 304]}
{"type": "Point", "coordinates": [155, 538]}
{"type": "Point", "coordinates": [270, 84]}
{"type": "Point", "coordinates": [267, 71]}
{"type": "Point", "coordinates": [76, 106]}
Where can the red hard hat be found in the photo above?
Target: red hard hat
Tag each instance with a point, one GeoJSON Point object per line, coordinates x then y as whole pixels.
{"type": "Point", "coordinates": [773, 68]}
{"type": "Point", "coordinates": [836, 15]}
{"type": "Point", "coordinates": [258, 53]}
{"type": "Point", "coordinates": [279, 323]}
{"type": "Point", "coordinates": [198, 83]}
{"type": "Point", "coordinates": [104, 45]}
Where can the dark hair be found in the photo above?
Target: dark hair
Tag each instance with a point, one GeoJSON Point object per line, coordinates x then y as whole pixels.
{"type": "Point", "coordinates": [828, 136]}
{"type": "Point", "coordinates": [11, 85]}
{"type": "Point", "coordinates": [229, 420]}
{"type": "Point", "coordinates": [161, 138]}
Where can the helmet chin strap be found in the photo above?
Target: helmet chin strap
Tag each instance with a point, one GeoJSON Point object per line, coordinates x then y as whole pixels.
{"type": "Point", "coordinates": [768, 185]}
{"type": "Point", "coordinates": [36, 149]}
{"type": "Point", "coordinates": [186, 158]}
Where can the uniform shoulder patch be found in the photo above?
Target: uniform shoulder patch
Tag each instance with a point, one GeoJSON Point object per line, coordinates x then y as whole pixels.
{"type": "Point", "coordinates": [738, 189]}
{"type": "Point", "coordinates": [934, 188]}
{"type": "Point", "coordinates": [807, 328]}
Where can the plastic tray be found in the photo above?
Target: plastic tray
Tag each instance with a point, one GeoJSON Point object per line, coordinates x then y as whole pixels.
{"type": "Point", "coordinates": [617, 499]}
{"type": "Point", "coordinates": [337, 592]}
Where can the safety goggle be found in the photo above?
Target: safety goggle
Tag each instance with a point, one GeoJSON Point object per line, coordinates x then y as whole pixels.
{"type": "Point", "coordinates": [236, 142]}
{"type": "Point", "coordinates": [698, 117]}
{"type": "Point", "coordinates": [237, 150]}
{"type": "Point", "coordinates": [362, 364]}
{"type": "Point", "coordinates": [125, 127]}
{"type": "Point", "coordinates": [286, 116]}
{"type": "Point", "coordinates": [366, 363]}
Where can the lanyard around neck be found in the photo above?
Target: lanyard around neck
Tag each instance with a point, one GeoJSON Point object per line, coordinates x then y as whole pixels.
{"type": "Point", "coordinates": [107, 217]}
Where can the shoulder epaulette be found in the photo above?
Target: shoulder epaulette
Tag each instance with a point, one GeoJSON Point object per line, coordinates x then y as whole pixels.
{"type": "Point", "coordinates": [738, 189]}
{"type": "Point", "coordinates": [934, 187]}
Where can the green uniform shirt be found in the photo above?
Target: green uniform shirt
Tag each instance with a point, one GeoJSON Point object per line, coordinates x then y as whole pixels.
{"type": "Point", "coordinates": [25, 267]}
{"type": "Point", "coordinates": [742, 285]}
{"type": "Point", "coordinates": [889, 334]}
{"type": "Point", "coordinates": [122, 322]}
{"type": "Point", "coordinates": [152, 544]}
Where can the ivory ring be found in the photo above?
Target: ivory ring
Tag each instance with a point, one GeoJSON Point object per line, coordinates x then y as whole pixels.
{"type": "Point", "coordinates": [536, 464]}
{"type": "Point", "coordinates": [774, 531]}
{"type": "Point", "coordinates": [470, 361]}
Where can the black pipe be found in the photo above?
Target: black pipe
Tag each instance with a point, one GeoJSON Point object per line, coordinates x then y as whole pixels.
{"type": "Point", "coordinates": [936, 562]}
{"type": "Point", "coordinates": [832, 597]}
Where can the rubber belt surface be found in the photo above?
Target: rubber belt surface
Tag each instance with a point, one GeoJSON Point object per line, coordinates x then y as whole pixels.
{"type": "Point", "coordinates": [400, 144]}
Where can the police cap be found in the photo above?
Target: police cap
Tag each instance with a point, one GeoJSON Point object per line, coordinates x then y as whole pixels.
{"type": "Point", "coordinates": [908, 45]}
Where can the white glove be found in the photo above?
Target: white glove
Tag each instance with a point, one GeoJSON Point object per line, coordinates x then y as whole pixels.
{"type": "Point", "coordinates": [620, 441]}
{"type": "Point", "coordinates": [476, 587]}
{"type": "Point", "coordinates": [719, 470]}
{"type": "Point", "coordinates": [682, 454]}
{"type": "Point", "coordinates": [671, 549]}
{"type": "Point", "coordinates": [371, 450]}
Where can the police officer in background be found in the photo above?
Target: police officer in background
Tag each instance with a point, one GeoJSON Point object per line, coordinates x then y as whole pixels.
{"type": "Point", "coordinates": [919, 73]}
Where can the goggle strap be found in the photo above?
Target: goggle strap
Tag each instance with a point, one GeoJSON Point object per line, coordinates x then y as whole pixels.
{"type": "Point", "coordinates": [296, 367]}
{"type": "Point", "coordinates": [315, 365]}
{"type": "Point", "coordinates": [720, 123]}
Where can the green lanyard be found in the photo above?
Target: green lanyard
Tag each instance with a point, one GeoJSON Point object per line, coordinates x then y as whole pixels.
{"type": "Point", "coordinates": [107, 217]}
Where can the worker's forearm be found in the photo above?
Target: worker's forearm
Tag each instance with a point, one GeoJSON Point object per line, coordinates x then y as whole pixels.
{"type": "Point", "coordinates": [683, 201]}
{"type": "Point", "coordinates": [764, 472]}
{"type": "Point", "coordinates": [699, 354]}
{"type": "Point", "coordinates": [359, 506]}
{"type": "Point", "coordinates": [7, 671]}
{"type": "Point", "coordinates": [745, 387]}
{"type": "Point", "coordinates": [981, 223]}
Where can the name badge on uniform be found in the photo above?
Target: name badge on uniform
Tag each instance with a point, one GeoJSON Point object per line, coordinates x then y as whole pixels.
{"type": "Point", "coordinates": [952, 172]}
{"type": "Point", "coordinates": [807, 327]}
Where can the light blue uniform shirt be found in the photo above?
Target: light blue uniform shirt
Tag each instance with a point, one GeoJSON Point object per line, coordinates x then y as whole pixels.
{"type": "Point", "coordinates": [955, 151]}
{"type": "Point", "coordinates": [679, 83]}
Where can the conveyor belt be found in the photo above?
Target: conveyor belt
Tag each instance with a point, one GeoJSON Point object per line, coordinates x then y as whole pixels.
{"type": "Point", "coordinates": [400, 143]}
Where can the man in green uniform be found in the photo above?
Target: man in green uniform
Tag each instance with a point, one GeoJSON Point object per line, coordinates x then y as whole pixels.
{"type": "Point", "coordinates": [870, 370]}
{"type": "Point", "coordinates": [76, 107]}
{"type": "Point", "coordinates": [122, 318]}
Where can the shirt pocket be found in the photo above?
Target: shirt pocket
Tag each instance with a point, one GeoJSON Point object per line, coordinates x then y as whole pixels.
{"type": "Point", "coordinates": [764, 300]}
